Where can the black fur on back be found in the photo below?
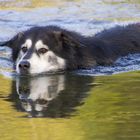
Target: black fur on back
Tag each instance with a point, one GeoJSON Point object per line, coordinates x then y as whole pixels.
{"type": "Point", "coordinates": [82, 51]}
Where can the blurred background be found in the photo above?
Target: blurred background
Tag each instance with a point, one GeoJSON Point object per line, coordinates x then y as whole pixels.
{"type": "Point", "coordinates": [85, 16]}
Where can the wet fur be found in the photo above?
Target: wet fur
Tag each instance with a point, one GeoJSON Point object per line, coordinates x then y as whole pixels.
{"type": "Point", "coordinates": [82, 51]}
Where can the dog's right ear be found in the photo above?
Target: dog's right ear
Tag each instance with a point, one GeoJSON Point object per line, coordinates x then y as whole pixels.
{"type": "Point", "coordinates": [66, 39]}
{"type": "Point", "coordinates": [11, 43]}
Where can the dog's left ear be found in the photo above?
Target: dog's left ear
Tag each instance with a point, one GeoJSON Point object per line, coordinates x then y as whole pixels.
{"type": "Point", "coordinates": [66, 40]}
{"type": "Point", "coordinates": [11, 43]}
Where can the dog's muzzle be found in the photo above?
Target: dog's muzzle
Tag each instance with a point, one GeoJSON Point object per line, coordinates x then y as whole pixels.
{"type": "Point", "coordinates": [24, 67]}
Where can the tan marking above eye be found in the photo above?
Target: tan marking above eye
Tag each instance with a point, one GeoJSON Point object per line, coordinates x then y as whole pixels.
{"type": "Point", "coordinates": [39, 44]}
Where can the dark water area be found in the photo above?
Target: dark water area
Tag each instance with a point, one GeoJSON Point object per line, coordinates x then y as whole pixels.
{"type": "Point", "coordinates": [55, 96]}
{"type": "Point", "coordinates": [67, 106]}
{"type": "Point", "coordinates": [100, 103]}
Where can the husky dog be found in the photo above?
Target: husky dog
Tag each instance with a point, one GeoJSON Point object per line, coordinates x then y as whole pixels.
{"type": "Point", "coordinates": [53, 49]}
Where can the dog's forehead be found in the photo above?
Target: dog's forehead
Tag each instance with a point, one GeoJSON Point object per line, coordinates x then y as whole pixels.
{"type": "Point", "coordinates": [37, 33]}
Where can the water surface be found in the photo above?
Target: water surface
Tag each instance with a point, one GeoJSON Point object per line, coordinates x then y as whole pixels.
{"type": "Point", "coordinates": [71, 107]}
{"type": "Point", "coordinates": [78, 105]}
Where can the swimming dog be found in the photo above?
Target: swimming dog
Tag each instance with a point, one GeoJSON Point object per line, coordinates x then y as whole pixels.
{"type": "Point", "coordinates": [53, 49]}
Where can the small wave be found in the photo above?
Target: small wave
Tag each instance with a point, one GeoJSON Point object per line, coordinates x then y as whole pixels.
{"type": "Point", "coordinates": [124, 64]}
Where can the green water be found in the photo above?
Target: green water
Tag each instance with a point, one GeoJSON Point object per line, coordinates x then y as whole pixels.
{"type": "Point", "coordinates": [109, 111]}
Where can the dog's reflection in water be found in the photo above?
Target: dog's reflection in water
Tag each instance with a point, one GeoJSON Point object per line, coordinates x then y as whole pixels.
{"type": "Point", "coordinates": [36, 93]}
{"type": "Point", "coordinates": [50, 96]}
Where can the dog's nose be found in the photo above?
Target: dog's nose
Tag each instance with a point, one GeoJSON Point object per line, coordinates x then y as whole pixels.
{"type": "Point", "coordinates": [24, 65]}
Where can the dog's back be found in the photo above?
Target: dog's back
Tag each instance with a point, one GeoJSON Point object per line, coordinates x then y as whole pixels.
{"type": "Point", "coordinates": [110, 44]}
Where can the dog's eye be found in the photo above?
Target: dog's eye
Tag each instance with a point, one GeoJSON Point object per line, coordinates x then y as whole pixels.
{"type": "Point", "coordinates": [24, 49]}
{"type": "Point", "coordinates": [42, 50]}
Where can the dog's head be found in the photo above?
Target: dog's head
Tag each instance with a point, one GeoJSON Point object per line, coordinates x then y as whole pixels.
{"type": "Point", "coordinates": [41, 49]}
